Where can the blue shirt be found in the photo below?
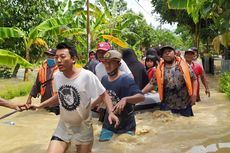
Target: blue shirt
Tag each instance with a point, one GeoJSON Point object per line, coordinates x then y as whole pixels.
{"type": "Point", "coordinates": [122, 87]}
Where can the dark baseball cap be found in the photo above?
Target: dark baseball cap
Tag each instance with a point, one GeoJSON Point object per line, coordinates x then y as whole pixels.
{"type": "Point", "coordinates": [190, 50]}
{"type": "Point", "coordinates": [165, 47]}
{"type": "Point", "coordinates": [51, 52]}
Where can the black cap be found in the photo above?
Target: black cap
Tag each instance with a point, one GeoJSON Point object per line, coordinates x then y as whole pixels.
{"type": "Point", "coordinates": [165, 47]}
{"type": "Point", "coordinates": [152, 58]}
{"type": "Point", "coordinates": [51, 52]}
{"type": "Point", "coordinates": [189, 50]}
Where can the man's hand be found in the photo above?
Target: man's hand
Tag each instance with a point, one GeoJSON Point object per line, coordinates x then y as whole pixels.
{"type": "Point", "coordinates": [29, 100]}
{"type": "Point", "coordinates": [119, 107]}
{"type": "Point", "coordinates": [114, 118]}
{"type": "Point", "coordinates": [21, 107]}
{"type": "Point", "coordinates": [207, 92]}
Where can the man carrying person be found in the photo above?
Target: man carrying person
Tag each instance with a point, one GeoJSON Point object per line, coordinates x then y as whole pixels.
{"type": "Point", "coordinates": [176, 83]}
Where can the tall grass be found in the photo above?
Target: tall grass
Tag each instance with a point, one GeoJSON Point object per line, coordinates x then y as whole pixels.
{"type": "Point", "coordinates": [10, 88]}
{"type": "Point", "coordinates": [225, 83]}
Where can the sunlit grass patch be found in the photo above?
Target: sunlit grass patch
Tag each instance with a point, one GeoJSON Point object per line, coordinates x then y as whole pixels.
{"type": "Point", "coordinates": [10, 88]}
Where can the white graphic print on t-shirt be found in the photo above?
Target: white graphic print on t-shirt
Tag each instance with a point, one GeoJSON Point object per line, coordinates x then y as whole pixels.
{"type": "Point", "coordinates": [69, 97]}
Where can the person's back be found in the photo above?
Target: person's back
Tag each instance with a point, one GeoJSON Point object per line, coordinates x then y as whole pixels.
{"type": "Point", "coordinates": [138, 70]}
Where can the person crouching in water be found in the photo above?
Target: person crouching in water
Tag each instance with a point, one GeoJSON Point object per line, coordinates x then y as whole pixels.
{"type": "Point", "coordinates": [124, 93]}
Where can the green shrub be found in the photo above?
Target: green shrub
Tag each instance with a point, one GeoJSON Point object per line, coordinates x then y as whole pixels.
{"type": "Point", "coordinates": [225, 83]}
{"type": "Point", "coordinates": [15, 89]}
{"type": "Point", "coordinates": [5, 72]}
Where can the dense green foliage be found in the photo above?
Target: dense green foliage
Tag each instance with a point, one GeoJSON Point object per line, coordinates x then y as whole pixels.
{"type": "Point", "coordinates": [225, 83]}
{"type": "Point", "coordinates": [5, 72]}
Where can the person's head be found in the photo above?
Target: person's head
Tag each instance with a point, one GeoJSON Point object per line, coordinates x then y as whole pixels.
{"type": "Point", "coordinates": [178, 53]}
{"type": "Point", "coordinates": [112, 62]}
{"type": "Point", "coordinates": [65, 56]}
{"type": "Point", "coordinates": [102, 48]}
{"type": "Point", "coordinates": [129, 56]}
{"type": "Point", "coordinates": [153, 52]}
{"type": "Point", "coordinates": [195, 52]}
{"type": "Point", "coordinates": [189, 55]}
{"type": "Point", "coordinates": [150, 61]}
{"type": "Point", "coordinates": [51, 57]}
{"type": "Point", "coordinates": [91, 55]}
{"type": "Point", "coordinates": [168, 54]}
{"type": "Point", "coordinates": [128, 52]}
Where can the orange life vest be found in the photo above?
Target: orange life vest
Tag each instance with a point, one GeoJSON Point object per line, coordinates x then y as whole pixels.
{"type": "Point", "coordinates": [42, 74]}
{"type": "Point", "coordinates": [183, 66]}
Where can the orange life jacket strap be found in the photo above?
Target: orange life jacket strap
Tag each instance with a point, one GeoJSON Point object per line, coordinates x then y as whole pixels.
{"type": "Point", "coordinates": [42, 74]}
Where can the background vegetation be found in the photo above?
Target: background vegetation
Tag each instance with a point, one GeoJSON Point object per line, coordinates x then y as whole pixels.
{"type": "Point", "coordinates": [225, 83]}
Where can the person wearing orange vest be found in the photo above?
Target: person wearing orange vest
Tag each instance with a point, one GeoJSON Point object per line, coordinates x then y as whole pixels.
{"type": "Point", "coordinates": [44, 84]}
{"type": "Point", "coordinates": [176, 83]}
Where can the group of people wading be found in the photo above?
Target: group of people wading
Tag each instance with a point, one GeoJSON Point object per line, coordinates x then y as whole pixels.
{"type": "Point", "coordinates": [115, 81]}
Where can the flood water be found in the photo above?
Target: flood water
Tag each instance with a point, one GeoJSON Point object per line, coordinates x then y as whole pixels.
{"type": "Point", "coordinates": [157, 132]}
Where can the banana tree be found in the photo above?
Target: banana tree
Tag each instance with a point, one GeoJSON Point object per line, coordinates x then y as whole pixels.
{"type": "Point", "coordinates": [10, 59]}
{"type": "Point", "coordinates": [223, 39]}
{"type": "Point", "coordinates": [105, 21]}
{"type": "Point", "coordinates": [217, 10]}
{"type": "Point", "coordinates": [50, 27]}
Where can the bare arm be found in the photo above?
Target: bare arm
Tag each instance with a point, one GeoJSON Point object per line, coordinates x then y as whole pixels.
{"type": "Point", "coordinates": [147, 88]}
{"type": "Point", "coordinates": [51, 101]}
{"type": "Point", "coordinates": [9, 104]}
{"type": "Point", "coordinates": [119, 107]}
{"type": "Point", "coordinates": [6, 103]}
{"type": "Point", "coordinates": [205, 83]}
{"type": "Point", "coordinates": [105, 97]}
{"type": "Point", "coordinates": [134, 99]}
{"type": "Point", "coordinates": [96, 102]}
{"type": "Point", "coordinates": [194, 92]}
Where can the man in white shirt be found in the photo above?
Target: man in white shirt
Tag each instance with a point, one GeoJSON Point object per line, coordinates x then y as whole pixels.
{"type": "Point", "coordinates": [75, 88]}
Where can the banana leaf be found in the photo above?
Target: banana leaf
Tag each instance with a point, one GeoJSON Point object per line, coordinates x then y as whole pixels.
{"type": "Point", "coordinates": [10, 59]}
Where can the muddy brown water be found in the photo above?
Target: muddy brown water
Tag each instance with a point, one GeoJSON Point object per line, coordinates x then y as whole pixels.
{"type": "Point", "coordinates": [157, 132]}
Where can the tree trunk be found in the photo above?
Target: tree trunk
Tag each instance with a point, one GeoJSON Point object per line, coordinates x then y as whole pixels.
{"type": "Point", "coordinates": [16, 68]}
{"type": "Point", "coordinates": [26, 75]}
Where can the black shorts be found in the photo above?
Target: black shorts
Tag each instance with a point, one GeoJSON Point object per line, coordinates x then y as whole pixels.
{"type": "Point", "coordinates": [56, 138]}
